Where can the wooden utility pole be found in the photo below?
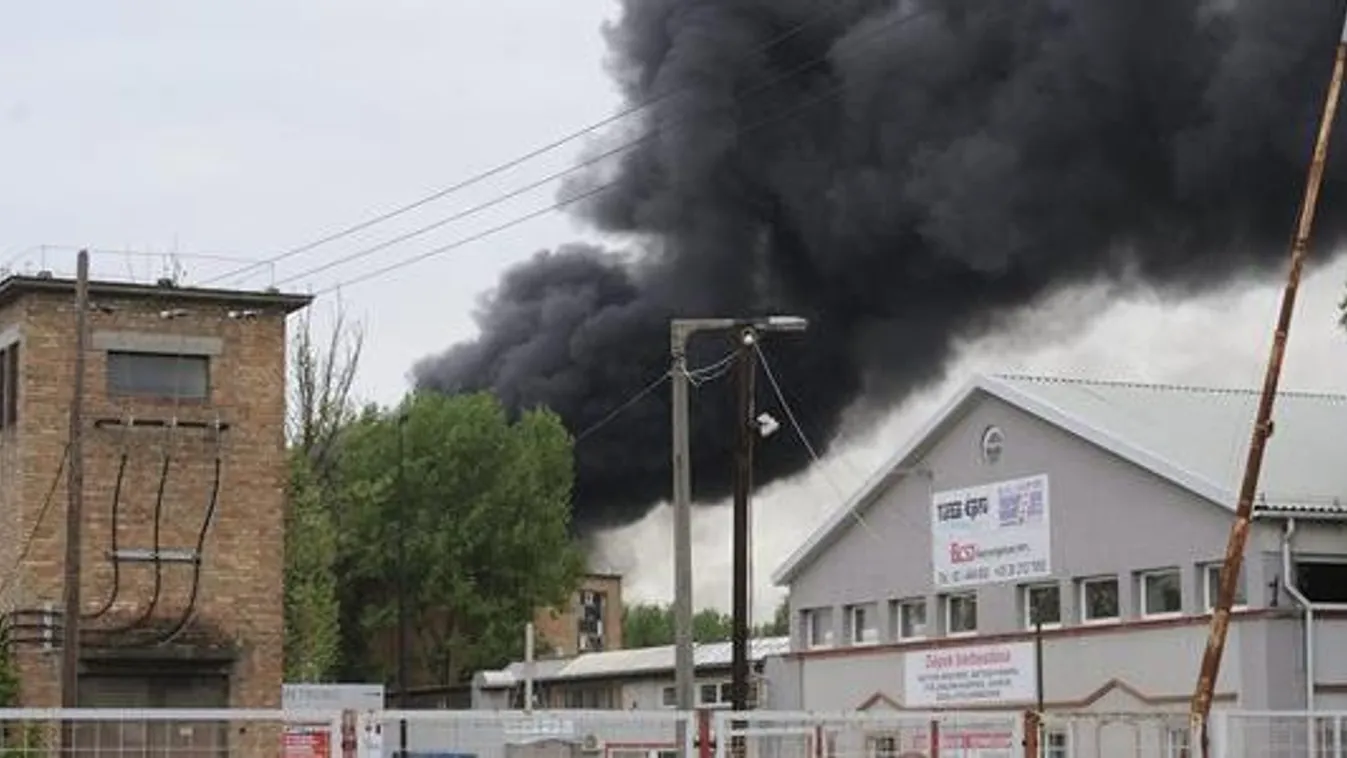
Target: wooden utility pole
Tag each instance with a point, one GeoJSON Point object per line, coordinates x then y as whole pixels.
{"type": "Point", "coordinates": [70, 634]}
{"type": "Point", "coordinates": [1200, 709]}
{"type": "Point", "coordinates": [746, 370]}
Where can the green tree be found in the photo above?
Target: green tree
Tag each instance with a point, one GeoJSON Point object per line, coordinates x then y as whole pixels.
{"type": "Point", "coordinates": [652, 624]}
{"type": "Point", "coordinates": [321, 378]}
{"type": "Point", "coordinates": [647, 625]}
{"type": "Point", "coordinates": [487, 518]}
{"type": "Point", "coordinates": [779, 626]}
{"type": "Point", "coordinates": [9, 677]}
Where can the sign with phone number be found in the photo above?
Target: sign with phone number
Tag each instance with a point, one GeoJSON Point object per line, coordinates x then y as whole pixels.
{"type": "Point", "coordinates": [991, 533]}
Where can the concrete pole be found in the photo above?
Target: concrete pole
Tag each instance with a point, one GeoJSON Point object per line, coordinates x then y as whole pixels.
{"type": "Point", "coordinates": [682, 527]}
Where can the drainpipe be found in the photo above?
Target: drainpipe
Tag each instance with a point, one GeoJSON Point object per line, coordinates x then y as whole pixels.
{"type": "Point", "coordinates": [1295, 594]}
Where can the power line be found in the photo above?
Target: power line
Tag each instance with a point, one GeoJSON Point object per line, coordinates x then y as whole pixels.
{"type": "Point", "coordinates": [830, 10]}
{"type": "Point", "coordinates": [869, 36]}
{"type": "Point", "coordinates": [41, 516]}
{"type": "Point", "coordinates": [566, 202]}
{"type": "Point", "coordinates": [698, 376]}
{"type": "Point", "coordinates": [843, 498]}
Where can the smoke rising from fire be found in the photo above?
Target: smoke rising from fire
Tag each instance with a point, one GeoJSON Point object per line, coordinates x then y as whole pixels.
{"type": "Point", "coordinates": [906, 175]}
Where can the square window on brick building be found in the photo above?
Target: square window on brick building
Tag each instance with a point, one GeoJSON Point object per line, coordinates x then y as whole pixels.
{"type": "Point", "coordinates": [175, 377]}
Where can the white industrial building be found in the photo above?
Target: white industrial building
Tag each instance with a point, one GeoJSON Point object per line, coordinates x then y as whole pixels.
{"type": "Point", "coordinates": [636, 679]}
{"type": "Point", "coordinates": [1107, 505]}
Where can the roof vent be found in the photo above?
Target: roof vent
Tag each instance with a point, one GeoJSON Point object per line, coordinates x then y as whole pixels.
{"type": "Point", "coordinates": [166, 282]}
{"type": "Point", "coordinates": [992, 445]}
{"type": "Point", "coordinates": [44, 274]}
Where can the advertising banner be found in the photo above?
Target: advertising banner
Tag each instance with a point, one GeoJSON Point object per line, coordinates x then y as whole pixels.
{"type": "Point", "coordinates": [983, 675]}
{"type": "Point", "coordinates": [991, 533]}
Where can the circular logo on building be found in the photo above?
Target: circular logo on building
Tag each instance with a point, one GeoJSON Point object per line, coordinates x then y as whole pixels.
{"type": "Point", "coordinates": [993, 441]}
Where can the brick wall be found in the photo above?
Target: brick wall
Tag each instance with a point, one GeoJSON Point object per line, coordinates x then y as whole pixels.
{"type": "Point", "coordinates": [240, 593]}
{"type": "Point", "coordinates": [558, 626]}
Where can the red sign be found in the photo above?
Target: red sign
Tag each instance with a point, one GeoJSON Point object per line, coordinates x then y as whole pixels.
{"type": "Point", "coordinates": [307, 741]}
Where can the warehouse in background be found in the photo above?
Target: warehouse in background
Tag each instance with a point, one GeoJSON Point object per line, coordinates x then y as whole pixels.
{"type": "Point", "coordinates": [638, 679]}
{"type": "Point", "coordinates": [1100, 511]}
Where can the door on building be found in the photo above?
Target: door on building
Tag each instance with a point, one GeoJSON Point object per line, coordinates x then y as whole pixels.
{"type": "Point", "coordinates": [153, 689]}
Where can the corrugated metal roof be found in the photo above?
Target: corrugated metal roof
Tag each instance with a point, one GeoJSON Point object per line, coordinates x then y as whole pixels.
{"type": "Point", "coordinates": [1205, 433]}
{"type": "Point", "coordinates": [637, 661]}
{"type": "Point", "coordinates": [1197, 437]}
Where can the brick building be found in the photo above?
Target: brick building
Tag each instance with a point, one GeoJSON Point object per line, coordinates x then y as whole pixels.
{"type": "Point", "coordinates": [591, 623]}
{"type": "Point", "coordinates": [184, 454]}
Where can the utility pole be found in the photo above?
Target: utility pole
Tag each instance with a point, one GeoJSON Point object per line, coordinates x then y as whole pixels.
{"type": "Point", "coordinates": [403, 618]}
{"type": "Point", "coordinates": [74, 516]}
{"type": "Point", "coordinates": [746, 370]}
{"type": "Point", "coordinates": [680, 331]}
{"type": "Point", "coordinates": [1200, 709]}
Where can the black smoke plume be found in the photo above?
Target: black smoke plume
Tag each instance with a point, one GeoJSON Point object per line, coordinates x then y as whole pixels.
{"type": "Point", "coordinates": [904, 174]}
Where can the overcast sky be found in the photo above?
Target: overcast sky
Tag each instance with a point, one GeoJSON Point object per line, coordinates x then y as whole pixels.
{"type": "Point", "coordinates": [245, 129]}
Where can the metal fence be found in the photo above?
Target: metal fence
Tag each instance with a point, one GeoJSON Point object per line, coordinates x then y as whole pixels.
{"type": "Point", "coordinates": [540, 734]}
{"type": "Point", "coordinates": [194, 733]}
{"type": "Point", "coordinates": [1280, 734]}
{"type": "Point", "coordinates": [165, 733]}
{"type": "Point", "coordinates": [768, 734]}
{"type": "Point", "coordinates": [1089, 734]}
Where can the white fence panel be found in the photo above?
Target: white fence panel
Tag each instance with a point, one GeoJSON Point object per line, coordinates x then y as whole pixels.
{"type": "Point", "coordinates": [1281, 734]}
{"type": "Point", "coordinates": [1090, 734]}
{"type": "Point", "coordinates": [517, 734]}
{"type": "Point", "coordinates": [169, 733]}
{"type": "Point", "coordinates": [768, 734]}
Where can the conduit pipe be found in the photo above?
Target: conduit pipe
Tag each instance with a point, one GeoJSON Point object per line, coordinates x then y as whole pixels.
{"type": "Point", "coordinates": [1289, 584]}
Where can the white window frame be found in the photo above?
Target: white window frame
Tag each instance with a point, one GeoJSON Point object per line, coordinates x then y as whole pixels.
{"type": "Point", "coordinates": [668, 697]}
{"type": "Point", "coordinates": [1056, 751]}
{"type": "Point", "coordinates": [904, 606]}
{"type": "Point", "coordinates": [808, 617]}
{"type": "Point", "coordinates": [949, 614]}
{"type": "Point", "coordinates": [1026, 598]}
{"type": "Point", "coordinates": [1142, 595]}
{"type": "Point", "coordinates": [1178, 743]}
{"type": "Point", "coordinates": [1085, 606]}
{"type": "Point", "coordinates": [855, 633]}
{"type": "Point", "coordinates": [1303, 558]}
{"type": "Point", "coordinates": [1211, 576]}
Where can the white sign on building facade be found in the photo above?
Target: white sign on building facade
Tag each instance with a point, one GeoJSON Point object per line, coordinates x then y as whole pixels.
{"type": "Point", "coordinates": [991, 533]}
{"type": "Point", "coordinates": [980, 675]}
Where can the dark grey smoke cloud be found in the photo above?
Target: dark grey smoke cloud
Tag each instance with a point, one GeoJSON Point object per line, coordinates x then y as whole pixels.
{"type": "Point", "coordinates": [979, 155]}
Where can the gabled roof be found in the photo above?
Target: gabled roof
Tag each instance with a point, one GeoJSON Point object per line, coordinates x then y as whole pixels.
{"type": "Point", "coordinates": [633, 662]}
{"type": "Point", "coordinates": [1195, 437]}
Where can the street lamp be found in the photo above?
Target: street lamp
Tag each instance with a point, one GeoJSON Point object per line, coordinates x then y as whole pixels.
{"type": "Point", "coordinates": [680, 331]}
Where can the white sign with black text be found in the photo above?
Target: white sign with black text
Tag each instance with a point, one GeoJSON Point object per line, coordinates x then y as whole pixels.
{"type": "Point", "coordinates": [991, 533]}
{"type": "Point", "coordinates": [981, 675]}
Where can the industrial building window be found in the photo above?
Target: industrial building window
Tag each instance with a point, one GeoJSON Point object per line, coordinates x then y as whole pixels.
{"type": "Point", "coordinates": [589, 621]}
{"type": "Point", "coordinates": [1176, 742]}
{"type": "Point", "coordinates": [1211, 587]}
{"type": "Point", "coordinates": [1056, 744]}
{"type": "Point", "coordinates": [1099, 599]}
{"type": "Point", "coordinates": [961, 614]}
{"type": "Point", "coordinates": [1042, 605]}
{"type": "Point", "coordinates": [817, 624]}
{"type": "Point", "coordinates": [908, 618]}
{"type": "Point", "coordinates": [9, 386]}
{"type": "Point", "coordinates": [179, 377]}
{"type": "Point", "coordinates": [1322, 581]}
{"type": "Point", "coordinates": [1161, 593]}
{"type": "Point", "coordinates": [883, 746]}
{"type": "Point", "coordinates": [862, 625]}
{"type": "Point", "coordinates": [669, 697]}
